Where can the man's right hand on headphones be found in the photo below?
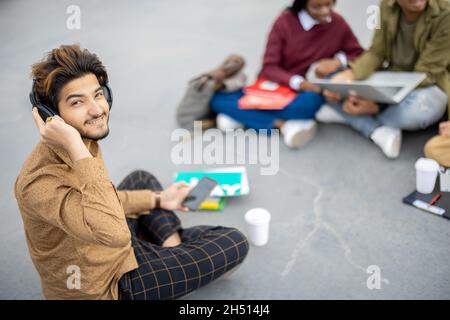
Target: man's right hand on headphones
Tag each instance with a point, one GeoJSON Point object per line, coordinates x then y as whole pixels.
{"type": "Point", "coordinates": [58, 133]}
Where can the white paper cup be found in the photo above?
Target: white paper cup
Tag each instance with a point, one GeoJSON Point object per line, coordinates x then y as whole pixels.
{"type": "Point", "coordinates": [426, 174]}
{"type": "Point", "coordinates": [258, 226]}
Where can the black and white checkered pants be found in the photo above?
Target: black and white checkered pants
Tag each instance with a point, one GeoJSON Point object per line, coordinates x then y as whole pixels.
{"type": "Point", "coordinates": [206, 252]}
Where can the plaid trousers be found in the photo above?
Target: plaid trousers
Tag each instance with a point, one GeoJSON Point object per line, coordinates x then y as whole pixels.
{"type": "Point", "coordinates": [206, 252]}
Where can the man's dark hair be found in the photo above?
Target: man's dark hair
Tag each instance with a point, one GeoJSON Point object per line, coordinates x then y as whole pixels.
{"type": "Point", "coordinates": [61, 65]}
{"type": "Point", "coordinates": [299, 5]}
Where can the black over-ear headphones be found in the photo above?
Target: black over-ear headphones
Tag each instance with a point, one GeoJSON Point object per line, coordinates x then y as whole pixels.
{"type": "Point", "coordinates": [46, 111]}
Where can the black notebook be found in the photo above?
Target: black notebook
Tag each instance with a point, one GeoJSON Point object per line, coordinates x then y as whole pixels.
{"type": "Point", "coordinates": [436, 198]}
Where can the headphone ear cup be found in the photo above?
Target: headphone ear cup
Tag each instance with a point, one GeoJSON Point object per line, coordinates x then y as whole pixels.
{"type": "Point", "coordinates": [108, 94]}
{"type": "Point", "coordinates": [44, 111]}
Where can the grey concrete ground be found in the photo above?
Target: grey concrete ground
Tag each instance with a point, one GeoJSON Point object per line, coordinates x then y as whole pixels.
{"type": "Point", "coordinates": [336, 205]}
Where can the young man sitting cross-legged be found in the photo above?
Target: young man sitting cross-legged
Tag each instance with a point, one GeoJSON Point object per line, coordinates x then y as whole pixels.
{"type": "Point", "coordinates": [74, 217]}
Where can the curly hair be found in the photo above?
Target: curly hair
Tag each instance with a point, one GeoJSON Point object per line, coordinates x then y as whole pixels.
{"type": "Point", "coordinates": [61, 65]}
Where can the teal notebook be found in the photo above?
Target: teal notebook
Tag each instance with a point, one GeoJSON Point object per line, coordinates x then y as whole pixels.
{"type": "Point", "coordinates": [229, 183]}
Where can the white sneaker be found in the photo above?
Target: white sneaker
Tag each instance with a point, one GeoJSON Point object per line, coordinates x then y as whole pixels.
{"type": "Point", "coordinates": [224, 123]}
{"type": "Point", "coordinates": [389, 140]}
{"type": "Point", "coordinates": [297, 133]}
{"type": "Point", "coordinates": [327, 114]}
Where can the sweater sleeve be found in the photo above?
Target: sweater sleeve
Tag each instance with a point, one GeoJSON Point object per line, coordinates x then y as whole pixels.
{"type": "Point", "coordinates": [273, 56]}
{"type": "Point", "coordinates": [89, 211]}
{"type": "Point", "coordinates": [135, 202]}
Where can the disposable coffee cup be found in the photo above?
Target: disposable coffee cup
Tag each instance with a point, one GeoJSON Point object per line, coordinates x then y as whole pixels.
{"type": "Point", "coordinates": [258, 220]}
{"type": "Point", "coordinates": [426, 174]}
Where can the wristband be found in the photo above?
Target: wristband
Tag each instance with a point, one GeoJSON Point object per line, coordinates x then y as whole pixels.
{"type": "Point", "coordinates": [157, 199]}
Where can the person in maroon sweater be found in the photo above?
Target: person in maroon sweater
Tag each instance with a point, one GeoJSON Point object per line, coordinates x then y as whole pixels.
{"type": "Point", "coordinates": [307, 32]}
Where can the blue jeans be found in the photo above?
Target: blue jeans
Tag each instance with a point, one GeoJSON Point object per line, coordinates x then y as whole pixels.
{"type": "Point", "coordinates": [304, 106]}
{"type": "Point", "coordinates": [420, 109]}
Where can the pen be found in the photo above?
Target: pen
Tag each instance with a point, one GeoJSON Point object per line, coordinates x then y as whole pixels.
{"type": "Point", "coordinates": [435, 198]}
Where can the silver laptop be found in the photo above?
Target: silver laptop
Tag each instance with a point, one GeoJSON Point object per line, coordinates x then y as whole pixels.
{"type": "Point", "coordinates": [383, 86]}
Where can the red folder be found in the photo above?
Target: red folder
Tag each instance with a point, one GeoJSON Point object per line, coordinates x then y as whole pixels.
{"type": "Point", "coordinates": [266, 95]}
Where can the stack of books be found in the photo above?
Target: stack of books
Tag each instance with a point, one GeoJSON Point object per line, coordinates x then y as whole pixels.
{"type": "Point", "coordinates": [213, 204]}
{"type": "Point", "coordinates": [266, 95]}
{"type": "Point", "coordinates": [232, 182]}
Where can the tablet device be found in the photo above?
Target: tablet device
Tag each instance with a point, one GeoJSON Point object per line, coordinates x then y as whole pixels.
{"type": "Point", "coordinates": [383, 86]}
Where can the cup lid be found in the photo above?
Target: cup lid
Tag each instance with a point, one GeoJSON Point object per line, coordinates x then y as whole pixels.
{"type": "Point", "coordinates": [257, 216]}
{"type": "Point", "coordinates": [425, 164]}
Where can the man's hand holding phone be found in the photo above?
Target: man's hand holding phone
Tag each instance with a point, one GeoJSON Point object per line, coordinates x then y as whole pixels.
{"type": "Point", "coordinates": [173, 197]}
{"type": "Point", "coordinates": [57, 133]}
{"type": "Point", "coordinates": [199, 193]}
{"type": "Point", "coordinates": [181, 196]}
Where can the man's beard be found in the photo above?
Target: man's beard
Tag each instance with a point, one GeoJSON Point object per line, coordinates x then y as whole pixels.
{"type": "Point", "coordinates": [98, 136]}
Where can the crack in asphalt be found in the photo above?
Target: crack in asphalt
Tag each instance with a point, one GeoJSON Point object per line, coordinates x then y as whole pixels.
{"type": "Point", "coordinates": [319, 223]}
